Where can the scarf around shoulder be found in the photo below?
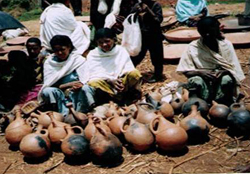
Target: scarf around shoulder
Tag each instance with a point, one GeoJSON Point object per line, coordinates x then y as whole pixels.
{"type": "Point", "coordinates": [107, 65]}
{"type": "Point", "coordinates": [199, 56]}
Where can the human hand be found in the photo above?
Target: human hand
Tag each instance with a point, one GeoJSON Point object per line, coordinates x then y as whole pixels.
{"type": "Point", "coordinates": [77, 86]}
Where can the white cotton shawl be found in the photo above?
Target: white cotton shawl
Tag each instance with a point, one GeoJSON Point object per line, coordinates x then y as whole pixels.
{"type": "Point", "coordinates": [58, 19]}
{"type": "Point", "coordinates": [199, 56]}
{"type": "Point", "coordinates": [54, 71]}
{"type": "Point", "coordinates": [107, 65]}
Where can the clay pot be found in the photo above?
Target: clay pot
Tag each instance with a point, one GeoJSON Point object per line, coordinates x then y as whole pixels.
{"type": "Point", "coordinates": [156, 95]}
{"type": "Point", "coordinates": [218, 113]}
{"type": "Point", "coordinates": [100, 111]}
{"type": "Point", "coordinates": [113, 110]}
{"type": "Point", "coordinates": [36, 145]}
{"type": "Point", "coordinates": [239, 121]}
{"type": "Point", "coordinates": [176, 102]}
{"type": "Point", "coordinates": [185, 94]}
{"type": "Point", "coordinates": [74, 144]}
{"type": "Point", "coordinates": [115, 123]}
{"type": "Point", "coordinates": [90, 129]}
{"type": "Point", "coordinates": [130, 110]}
{"type": "Point", "coordinates": [195, 125]}
{"type": "Point", "coordinates": [137, 134]}
{"type": "Point", "coordinates": [167, 110]}
{"type": "Point", "coordinates": [168, 136]}
{"type": "Point", "coordinates": [80, 118]}
{"type": "Point", "coordinates": [105, 146]}
{"type": "Point", "coordinates": [145, 115]}
{"type": "Point", "coordinates": [43, 118]}
{"type": "Point", "coordinates": [202, 106]}
{"type": "Point", "coordinates": [17, 129]}
{"type": "Point", "coordinates": [235, 106]}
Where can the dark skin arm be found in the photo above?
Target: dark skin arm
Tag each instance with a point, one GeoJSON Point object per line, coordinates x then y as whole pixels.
{"type": "Point", "coordinates": [117, 84]}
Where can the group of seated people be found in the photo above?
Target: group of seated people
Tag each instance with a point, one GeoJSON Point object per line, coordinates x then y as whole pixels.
{"type": "Point", "coordinates": [107, 72]}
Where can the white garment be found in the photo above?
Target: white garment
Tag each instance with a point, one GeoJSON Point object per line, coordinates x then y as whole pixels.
{"type": "Point", "coordinates": [58, 19]}
{"type": "Point", "coordinates": [110, 19]}
{"type": "Point", "coordinates": [107, 65]}
{"type": "Point", "coordinates": [54, 71]}
{"type": "Point", "coordinates": [199, 56]}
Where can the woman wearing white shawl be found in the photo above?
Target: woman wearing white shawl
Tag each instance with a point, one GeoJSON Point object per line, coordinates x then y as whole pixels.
{"type": "Point", "coordinates": [60, 68]}
{"type": "Point", "coordinates": [191, 11]}
{"type": "Point", "coordinates": [110, 70]}
{"type": "Point", "coordinates": [211, 64]}
{"type": "Point", "coordinates": [59, 19]}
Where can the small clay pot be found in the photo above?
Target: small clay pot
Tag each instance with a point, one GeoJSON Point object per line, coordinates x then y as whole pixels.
{"type": "Point", "coordinates": [218, 113]}
{"type": "Point", "coordinates": [167, 110]}
{"type": "Point", "coordinates": [235, 106]}
{"type": "Point", "coordinates": [113, 110]}
{"type": "Point", "coordinates": [115, 123]}
{"type": "Point", "coordinates": [176, 102]}
{"type": "Point", "coordinates": [130, 110]}
{"type": "Point", "coordinates": [156, 95]}
{"type": "Point", "coordinates": [80, 118]}
{"type": "Point", "coordinates": [202, 106]}
{"type": "Point", "coordinates": [145, 114]}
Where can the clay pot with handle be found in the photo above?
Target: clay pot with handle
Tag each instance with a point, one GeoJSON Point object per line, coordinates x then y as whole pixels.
{"type": "Point", "coordinates": [115, 123]}
{"type": "Point", "coordinates": [80, 118]}
{"type": "Point", "coordinates": [36, 145]}
{"type": "Point", "coordinates": [145, 114]}
{"type": "Point", "coordinates": [168, 136]}
{"type": "Point", "coordinates": [75, 144]}
{"type": "Point", "coordinates": [218, 114]}
{"type": "Point", "coordinates": [201, 104]}
{"type": "Point", "coordinates": [137, 134]}
{"type": "Point", "coordinates": [167, 110]}
{"type": "Point", "coordinates": [113, 110]}
{"type": "Point", "coordinates": [130, 110]}
{"type": "Point", "coordinates": [185, 94]}
{"type": "Point", "coordinates": [156, 95]}
{"type": "Point", "coordinates": [43, 118]}
{"type": "Point", "coordinates": [176, 102]}
{"type": "Point", "coordinates": [195, 125]}
{"type": "Point", "coordinates": [105, 147]}
{"type": "Point", "coordinates": [17, 129]}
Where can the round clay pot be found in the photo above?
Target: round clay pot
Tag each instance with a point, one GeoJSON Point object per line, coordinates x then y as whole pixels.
{"type": "Point", "coordinates": [167, 110]}
{"type": "Point", "coordinates": [35, 145]}
{"type": "Point", "coordinates": [43, 118]}
{"type": "Point", "coordinates": [202, 106]}
{"type": "Point", "coordinates": [145, 114]}
{"type": "Point", "coordinates": [137, 134]}
{"type": "Point", "coordinates": [185, 94]}
{"type": "Point", "coordinates": [113, 110]}
{"type": "Point", "coordinates": [235, 106]}
{"type": "Point", "coordinates": [156, 95]}
{"type": "Point", "coordinates": [80, 118]}
{"type": "Point", "coordinates": [115, 123]}
{"type": "Point", "coordinates": [218, 113]}
{"type": "Point", "coordinates": [176, 102]}
{"type": "Point", "coordinates": [130, 110]}
{"type": "Point", "coordinates": [17, 129]}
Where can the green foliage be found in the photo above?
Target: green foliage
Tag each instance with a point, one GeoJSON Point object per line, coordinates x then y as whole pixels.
{"type": "Point", "coordinates": [27, 4]}
{"type": "Point", "coordinates": [225, 1]}
{"type": "Point", "coordinates": [30, 15]}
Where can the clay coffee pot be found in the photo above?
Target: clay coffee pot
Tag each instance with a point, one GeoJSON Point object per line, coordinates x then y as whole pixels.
{"type": "Point", "coordinates": [146, 112]}
{"type": "Point", "coordinates": [195, 125]}
{"type": "Point", "coordinates": [235, 106]}
{"type": "Point", "coordinates": [17, 129]}
{"type": "Point", "coordinates": [156, 95]}
{"type": "Point", "coordinates": [74, 144]}
{"type": "Point", "coordinates": [115, 123]}
{"type": "Point", "coordinates": [36, 145]}
{"type": "Point", "coordinates": [137, 135]}
{"type": "Point", "coordinates": [113, 110]}
{"type": "Point", "coordinates": [80, 118]}
{"type": "Point", "coordinates": [168, 136]}
{"type": "Point", "coordinates": [167, 110]}
{"type": "Point", "coordinates": [90, 129]}
{"type": "Point", "coordinates": [218, 113]}
{"type": "Point", "coordinates": [130, 110]}
{"type": "Point", "coordinates": [185, 94]}
{"type": "Point", "coordinates": [176, 102]}
{"type": "Point", "coordinates": [105, 146]}
{"type": "Point", "coordinates": [201, 104]}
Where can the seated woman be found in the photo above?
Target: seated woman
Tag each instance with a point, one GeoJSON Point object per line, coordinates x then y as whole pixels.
{"type": "Point", "coordinates": [211, 64]}
{"type": "Point", "coordinates": [57, 19]}
{"type": "Point", "coordinates": [60, 68]}
{"type": "Point", "coordinates": [110, 70]}
{"type": "Point", "coordinates": [190, 12]}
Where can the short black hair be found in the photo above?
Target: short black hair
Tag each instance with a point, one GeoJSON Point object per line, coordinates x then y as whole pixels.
{"type": "Point", "coordinates": [105, 33]}
{"type": "Point", "coordinates": [34, 40]}
{"type": "Point", "coordinates": [61, 40]}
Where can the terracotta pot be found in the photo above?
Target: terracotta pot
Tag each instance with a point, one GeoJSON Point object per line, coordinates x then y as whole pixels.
{"type": "Point", "coordinates": [90, 129]}
{"type": "Point", "coordinates": [168, 136]}
{"type": "Point", "coordinates": [195, 125]}
{"type": "Point", "coordinates": [235, 106]}
{"type": "Point", "coordinates": [17, 129]}
{"type": "Point", "coordinates": [156, 95]}
{"type": "Point", "coordinates": [137, 134]}
{"type": "Point", "coordinates": [113, 110]}
{"type": "Point", "coordinates": [43, 118]}
{"type": "Point", "coordinates": [80, 118]}
{"type": "Point", "coordinates": [130, 110]}
{"type": "Point", "coordinates": [75, 144]}
{"type": "Point", "coordinates": [219, 112]}
{"type": "Point", "coordinates": [145, 115]}
{"type": "Point", "coordinates": [167, 110]}
{"type": "Point", "coordinates": [185, 94]}
{"type": "Point", "coordinates": [105, 146]}
{"type": "Point", "coordinates": [35, 145]}
{"type": "Point", "coordinates": [202, 106]}
{"type": "Point", "coordinates": [115, 123]}
{"type": "Point", "coordinates": [176, 102]}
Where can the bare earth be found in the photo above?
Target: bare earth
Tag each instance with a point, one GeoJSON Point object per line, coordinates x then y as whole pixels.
{"type": "Point", "coordinates": [222, 154]}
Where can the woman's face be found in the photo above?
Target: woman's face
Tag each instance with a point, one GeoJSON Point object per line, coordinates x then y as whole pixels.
{"type": "Point", "coordinates": [62, 52]}
{"type": "Point", "coordinates": [106, 44]}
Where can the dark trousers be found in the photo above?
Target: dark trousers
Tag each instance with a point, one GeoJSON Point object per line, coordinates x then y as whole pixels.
{"type": "Point", "coordinates": [153, 44]}
{"type": "Point", "coordinates": [77, 7]}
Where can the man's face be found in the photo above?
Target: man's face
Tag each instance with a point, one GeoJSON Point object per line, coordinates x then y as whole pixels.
{"type": "Point", "coordinates": [106, 44]}
{"type": "Point", "coordinates": [62, 52]}
{"type": "Point", "coordinates": [33, 49]}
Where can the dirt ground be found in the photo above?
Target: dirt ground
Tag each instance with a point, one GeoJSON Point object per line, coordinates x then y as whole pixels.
{"type": "Point", "coordinates": [221, 154]}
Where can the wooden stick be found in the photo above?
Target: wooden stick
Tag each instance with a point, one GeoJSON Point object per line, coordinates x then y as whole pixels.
{"type": "Point", "coordinates": [236, 151]}
{"type": "Point", "coordinates": [6, 169]}
{"type": "Point", "coordinates": [54, 166]}
{"type": "Point", "coordinates": [130, 161]}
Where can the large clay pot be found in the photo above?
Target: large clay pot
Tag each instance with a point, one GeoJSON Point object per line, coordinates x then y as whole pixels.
{"type": "Point", "coordinates": [17, 129]}
{"type": "Point", "coordinates": [168, 136]}
{"type": "Point", "coordinates": [113, 110]}
{"type": "Point", "coordinates": [202, 106]}
{"type": "Point", "coordinates": [90, 129]}
{"type": "Point", "coordinates": [218, 113]}
{"type": "Point", "coordinates": [167, 110]}
{"type": "Point", "coordinates": [176, 102]}
{"type": "Point", "coordinates": [75, 144]}
{"type": "Point", "coordinates": [145, 114]}
{"type": "Point", "coordinates": [115, 123]}
{"type": "Point", "coordinates": [80, 118]}
{"type": "Point", "coordinates": [105, 146]}
{"type": "Point", "coordinates": [195, 125]}
{"type": "Point", "coordinates": [235, 106]}
{"type": "Point", "coordinates": [36, 145]}
{"type": "Point", "coordinates": [137, 134]}
{"type": "Point", "coordinates": [239, 121]}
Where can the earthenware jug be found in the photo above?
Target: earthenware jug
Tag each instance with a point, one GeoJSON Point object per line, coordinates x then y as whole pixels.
{"type": "Point", "coordinates": [75, 144]}
{"type": "Point", "coordinates": [168, 136]}
{"type": "Point", "coordinates": [201, 104]}
{"type": "Point", "coordinates": [195, 125]}
{"type": "Point", "coordinates": [176, 102]}
{"type": "Point", "coordinates": [43, 118]}
{"type": "Point", "coordinates": [137, 134]}
{"type": "Point", "coordinates": [17, 129]}
{"type": "Point", "coordinates": [218, 112]}
{"type": "Point", "coordinates": [167, 110]}
{"type": "Point", "coordinates": [90, 129]}
{"type": "Point", "coordinates": [80, 118]}
{"type": "Point", "coordinates": [156, 95]}
{"type": "Point", "coordinates": [185, 94]}
{"type": "Point", "coordinates": [130, 110]}
{"type": "Point", "coordinates": [146, 112]}
{"type": "Point", "coordinates": [115, 123]}
{"type": "Point", "coordinates": [36, 145]}
{"type": "Point", "coordinates": [113, 110]}
{"type": "Point", "coordinates": [105, 146]}
{"type": "Point", "coordinates": [235, 106]}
